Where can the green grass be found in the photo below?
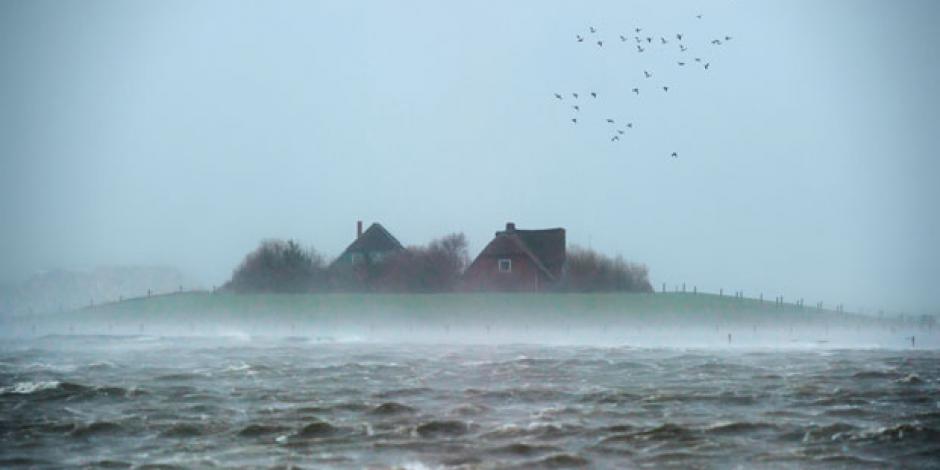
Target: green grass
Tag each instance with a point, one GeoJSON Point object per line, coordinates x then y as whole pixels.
{"type": "Point", "coordinates": [659, 308]}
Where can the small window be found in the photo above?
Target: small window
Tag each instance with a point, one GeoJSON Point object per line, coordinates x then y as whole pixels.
{"type": "Point", "coordinates": [505, 265]}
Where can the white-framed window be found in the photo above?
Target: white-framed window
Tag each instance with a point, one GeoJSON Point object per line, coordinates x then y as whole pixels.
{"type": "Point", "coordinates": [505, 265]}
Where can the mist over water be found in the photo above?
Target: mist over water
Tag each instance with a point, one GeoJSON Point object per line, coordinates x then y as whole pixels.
{"type": "Point", "coordinates": [495, 391]}
{"type": "Point", "coordinates": [126, 401]}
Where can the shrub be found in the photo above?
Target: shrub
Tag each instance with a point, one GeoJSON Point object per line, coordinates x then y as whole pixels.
{"type": "Point", "coordinates": [279, 266]}
{"type": "Point", "coordinates": [434, 268]}
{"type": "Point", "coordinates": [589, 271]}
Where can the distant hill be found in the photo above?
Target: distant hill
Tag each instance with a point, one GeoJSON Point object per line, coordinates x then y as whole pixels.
{"type": "Point", "coordinates": [58, 290]}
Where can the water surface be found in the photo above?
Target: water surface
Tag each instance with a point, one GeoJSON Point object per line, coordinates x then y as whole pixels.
{"type": "Point", "coordinates": [139, 401]}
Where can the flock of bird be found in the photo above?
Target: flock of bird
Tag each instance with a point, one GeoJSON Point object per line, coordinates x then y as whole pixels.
{"type": "Point", "coordinates": [643, 43]}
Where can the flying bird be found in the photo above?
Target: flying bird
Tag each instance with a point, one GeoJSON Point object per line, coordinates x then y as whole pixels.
{"type": "Point", "coordinates": [623, 38]}
{"type": "Point", "coordinates": [698, 59]}
{"type": "Point", "coordinates": [593, 95]}
{"type": "Point", "coordinates": [681, 64]}
{"type": "Point", "coordinates": [574, 120]}
{"type": "Point", "coordinates": [636, 90]}
{"type": "Point", "coordinates": [591, 28]}
{"type": "Point", "coordinates": [679, 36]}
{"type": "Point", "coordinates": [615, 138]}
{"type": "Point", "coordinates": [665, 88]}
{"type": "Point", "coordinates": [580, 39]}
{"type": "Point", "coordinates": [610, 120]}
{"type": "Point", "coordinates": [698, 16]}
{"type": "Point", "coordinates": [706, 65]}
{"type": "Point", "coordinates": [600, 43]}
{"type": "Point", "coordinates": [727, 38]}
{"type": "Point", "coordinates": [576, 108]}
{"type": "Point", "coordinates": [716, 42]}
{"type": "Point", "coordinates": [575, 95]}
{"type": "Point", "coordinates": [638, 40]}
{"type": "Point", "coordinates": [675, 155]}
{"type": "Point", "coordinates": [682, 48]}
{"type": "Point", "coordinates": [639, 49]}
{"type": "Point", "coordinates": [620, 131]}
{"type": "Point", "coordinates": [649, 39]}
{"type": "Point", "coordinates": [648, 75]}
{"type": "Point", "coordinates": [557, 96]}
{"type": "Point", "coordinates": [663, 40]}
{"type": "Point", "coordinates": [638, 29]}
{"type": "Point", "coordinates": [630, 125]}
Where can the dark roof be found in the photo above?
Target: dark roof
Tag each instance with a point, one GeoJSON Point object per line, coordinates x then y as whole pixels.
{"type": "Point", "coordinates": [375, 238]}
{"type": "Point", "coordinates": [547, 246]}
{"type": "Point", "coordinates": [506, 244]}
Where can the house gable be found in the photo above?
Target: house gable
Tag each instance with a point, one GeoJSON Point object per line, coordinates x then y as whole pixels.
{"type": "Point", "coordinates": [518, 260]}
{"type": "Point", "coordinates": [372, 246]}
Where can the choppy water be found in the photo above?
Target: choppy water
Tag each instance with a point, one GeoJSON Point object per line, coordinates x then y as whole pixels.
{"type": "Point", "coordinates": [137, 401]}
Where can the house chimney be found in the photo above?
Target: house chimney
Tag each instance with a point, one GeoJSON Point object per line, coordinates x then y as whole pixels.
{"type": "Point", "coordinates": [510, 227]}
{"type": "Point", "coordinates": [358, 229]}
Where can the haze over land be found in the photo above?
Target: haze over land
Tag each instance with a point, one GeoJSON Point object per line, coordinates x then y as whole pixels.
{"type": "Point", "coordinates": [182, 134]}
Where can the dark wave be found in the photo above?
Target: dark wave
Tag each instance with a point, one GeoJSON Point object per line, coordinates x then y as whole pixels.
{"type": "Point", "coordinates": [402, 392]}
{"type": "Point", "coordinates": [23, 462]}
{"type": "Point", "coordinates": [666, 432]}
{"type": "Point", "coordinates": [257, 430]}
{"type": "Point", "coordinates": [742, 427]}
{"type": "Point", "coordinates": [55, 390]}
{"type": "Point", "coordinates": [97, 428]}
{"type": "Point", "coordinates": [185, 430]}
{"type": "Point", "coordinates": [816, 433]}
{"type": "Point", "coordinates": [876, 374]}
{"type": "Point", "coordinates": [108, 464]}
{"type": "Point", "coordinates": [521, 449]}
{"type": "Point", "coordinates": [318, 429]}
{"type": "Point", "coordinates": [391, 408]}
{"type": "Point", "coordinates": [518, 394]}
{"type": "Point", "coordinates": [563, 461]}
{"type": "Point", "coordinates": [536, 431]}
{"type": "Point", "coordinates": [470, 409]}
{"type": "Point", "coordinates": [446, 428]}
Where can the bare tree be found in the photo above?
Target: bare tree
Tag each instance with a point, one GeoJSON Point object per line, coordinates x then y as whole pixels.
{"type": "Point", "coordinates": [436, 267]}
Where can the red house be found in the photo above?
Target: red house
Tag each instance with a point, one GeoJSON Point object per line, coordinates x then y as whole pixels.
{"type": "Point", "coordinates": [519, 260]}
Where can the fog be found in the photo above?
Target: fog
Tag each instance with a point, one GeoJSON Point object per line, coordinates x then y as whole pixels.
{"type": "Point", "coordinates": [182, 134]}
{"type": "Point", "coordinates": [746, 330]}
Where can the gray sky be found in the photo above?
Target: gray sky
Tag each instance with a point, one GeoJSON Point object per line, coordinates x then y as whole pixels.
{"type": "Point", "coordinates": [182, 133]}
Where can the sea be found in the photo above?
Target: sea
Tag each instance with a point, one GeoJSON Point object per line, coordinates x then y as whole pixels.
{"type": "Point", "coordinates": [166, 402]}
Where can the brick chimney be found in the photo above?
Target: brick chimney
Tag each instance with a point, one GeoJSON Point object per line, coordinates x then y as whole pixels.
{"type": "Point", "coordinates": [510, 227]}
{"type": "Point", "coordinates": [358, 229]}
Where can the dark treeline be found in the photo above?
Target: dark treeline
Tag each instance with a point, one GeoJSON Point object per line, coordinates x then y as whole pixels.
{"type": "Point", "coordinates": [433, 268]}
{"type": "Point", "coordinates": [279, 266]}
{"type": "Point", "coordinates": [590, 271]}
{"type": "Point", "coordinates": [286, 267]}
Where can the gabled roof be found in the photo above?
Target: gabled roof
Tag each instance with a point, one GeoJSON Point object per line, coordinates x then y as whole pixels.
{"type": "Point", "coordinates": [375, 238]}
{"type": "Point", "coordinates": [510, 244]}
{"type": "Point", "coordinates": [547, 246]}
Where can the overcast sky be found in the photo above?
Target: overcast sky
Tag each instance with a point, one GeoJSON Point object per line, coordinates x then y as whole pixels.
{"type": "Point", "coordinates": [183, 133]}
